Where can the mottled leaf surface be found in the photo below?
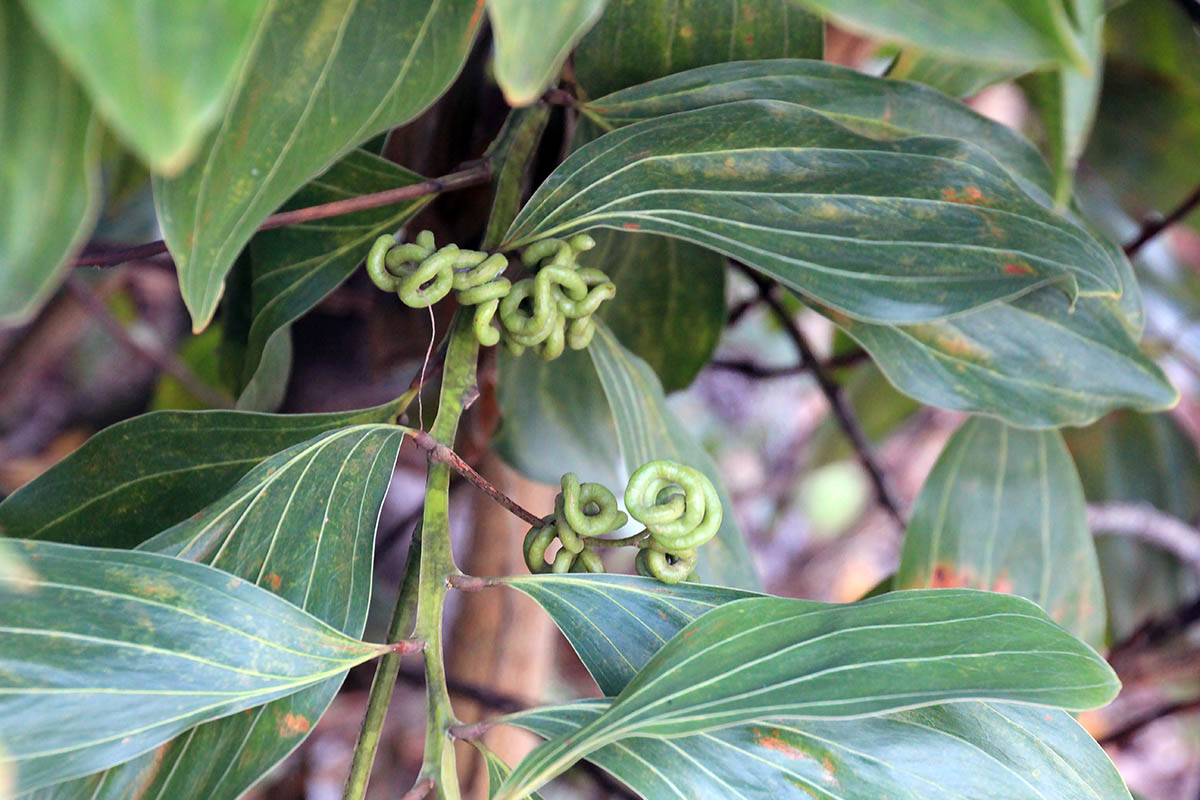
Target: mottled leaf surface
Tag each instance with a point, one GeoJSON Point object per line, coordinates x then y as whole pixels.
{"type": "Point", "coordinates": [148, 646]}
{"type": "Point", "coordinates": [160, 73]}
{"type": "Point", "coordinates": [636, 41]}
{"type": "Point", "coordinates": [325, 77]}
{"type": "Point", "coordinates": [49, 159]}
{"type": "Point", "coordinates": [294, 268]}
{"type": "Point", "coordinates": [888, 231]}
{"type": "Point", "coordinates": [764, 657]}
{"type": "Point", "coordinates": [533, 40]}
{"type": "Point", "coordinates": [648, 430]}
{"type": "Point", "coordinates": [1003, 510]}
{"type": "Point", "coordinates": [140, 476]}
{"type": "Point", "coordinates": [1028, 32]}
{"type": "Point", "coordinates": [982, 750]}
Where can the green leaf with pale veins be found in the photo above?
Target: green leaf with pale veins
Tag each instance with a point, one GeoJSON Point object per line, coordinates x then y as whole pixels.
{"type": "Point", "coordinates": [1024, 32]}
{"type": "Point", "coordinates": [140, 476]}
{"type": "Point", "coordinates": [302, 525]}
{"type": "Point", "coordinates": [955, 78]}
{"type": "Point", "coordinates": [159, 73]}
{"type": "Point", "coordinates": [326, 76]}
{"type": "Point", "coordinates": [1003, 510]}
{"type": "Point", "coordinates": [49, 160]}
{"type": "Point", "coordinates": [887, 231]}
{"type": "Point", "coordinates": [775, 657]}
{"type": "Point", "coordinates": [533, 40]}
{"type": "Point", "coordinates": [497, 770]}
{"type": "Point", "coordinates": [109, 653]}
{"type": "Point", "coordinates": [647, 430]}
{"type": "Point", "coordinates": [294, 268]}
{"type": "Point", "coordinates": [636, 41]}
{"type": "Point", "coordinates": [1033, 362]}
{"type": "Point", "coordinates": [982, 750]}
{"type": "Point", "coordinates": [616, 623]}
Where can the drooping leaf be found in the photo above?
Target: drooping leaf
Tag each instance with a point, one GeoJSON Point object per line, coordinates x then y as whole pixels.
{"type": "Point", "coordinates": [1033, 362]}
{"type": "Point", "coordinates": [109, 653]}
{"type": "Point", "coordinates": [294, 268]}
{"type": "Point", "coordinates": [982, 749]}
{"type": "Point", "coordinates": [305, 530]}
{"type": "Point", "coordinates": [533, 40]}
{"type": "Point", "coordinates": [1026, 32]}
{"type": "Point", "coordinates": [765, 657]}
{"type": "Point", "coordinates": [1003, 510]}
{"type": "Point", "coordinates": [140, 476]}
{"type": "Point", "coordinates": [671, 306]}
{"type": "Point", "coordinates": [872, 106]}
{"type": "Point", "coordinates": [947, 231]}
{"type": "Point", "coordinates": [49, 157]}
{"type": "Point", "coordinates": [636, 41]}
{"type": "Point", "coordinates": [1139, 458]}
{"type": "Point", "coordinates": [325, 77]}
{"type": "Point", "coordinates": [647, 430]}
{"type": "Point", "coordinates": [160, 74]}
{"type": "Point", "coordinates": [616, 623]}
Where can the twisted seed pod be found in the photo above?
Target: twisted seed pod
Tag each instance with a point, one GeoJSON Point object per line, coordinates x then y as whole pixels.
{"type": "Point", "coordinates": [549, 311]}
{"type": "Point", "coordinates": [666, 567]}
{"type": "Point", "coordinates": [677, 504]}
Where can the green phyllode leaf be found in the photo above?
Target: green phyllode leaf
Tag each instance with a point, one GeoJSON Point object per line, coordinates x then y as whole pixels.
{"type": "Point", "coordinates": [325, 77]}
{"type": "Point", "coordinates": [140, 476]}
{"type": "Point", "coordinates": [616, 623]}
{"type": "Point", "coordinates": [160, 74]}
{"type": "Point", "coordinates": [50, 160]}
{"type": "Point", "coordinates": [533, 40]}
{"type": "Point", "coordinates": [151, 646]}
{"type": "Point", "coordinates": [1003, 510]}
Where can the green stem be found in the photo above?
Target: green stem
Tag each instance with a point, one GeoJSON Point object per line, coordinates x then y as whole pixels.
{"type": "Point", "coordinates": [385, 677]}
{"type": "Point", "coordinates": [437, 560]}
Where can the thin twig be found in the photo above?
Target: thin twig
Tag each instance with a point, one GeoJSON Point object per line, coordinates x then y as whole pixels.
{"type": "Point", "coordinates": [163, 360]}
{"type": "Point", "coordinates": [753, 370]}
{"type": "Point", "coordinates": [439, 452]}
{"type": "Point", "coordinates": [1157, 630]}
{"type": "Point", "coordinates": [1152, 228]}
{"type": "Point", "coordinates": [1133, 726]}
{"type": "Point", "coordinates": [420, 790]}
{"type": "Point", "coordinates": [842, 412]}
{"type": "Point", "coordinates": [473, 175]}
{"type": "Point", "coordinates": [1144, 521]}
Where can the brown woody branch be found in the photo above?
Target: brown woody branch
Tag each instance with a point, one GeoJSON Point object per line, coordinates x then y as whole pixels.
{"type": "Point", "coordinates": [1152, 228]}
{"type": "Point", "coordinates": [472, 175]}
{"type": "Point", "coordinates": [1144, 521]}
{"type": "Point", "coordinates": [1133, 726]}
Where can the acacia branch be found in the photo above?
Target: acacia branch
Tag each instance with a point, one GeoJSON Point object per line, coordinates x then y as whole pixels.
{"type": "Point", "coordinates": [439, 452]}
{"type": "Point", "coordinates": [1152, 228]}
{"type": "Point", "coordinates": [473, 175]}
{"type": "Point", "coordinates": [1144, 521]}
{"type": "Point", "coordinates": [842, 413]}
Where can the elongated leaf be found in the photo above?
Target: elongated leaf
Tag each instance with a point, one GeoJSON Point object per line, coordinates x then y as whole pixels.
{"type": "Point", "coordinates": [638, 40]}
{"type": "Point", "coordinates": [1028, 32]}
{"type": "Point", "coordinates": [50, 158]}
{"type": "Point", "coordinates": [1032, 362]}
{"type": "Point", "coordinates": [1139, 458]}
{"type": "Point", "coordinates": [872, 106]}
{"type": "Point", "coordinates": [294, 268]}
{"type": "Point", "coordinates": [497, 770]}
{"type": "Point", "coordinates": [305, 530]}
{"type": "Point", "coordinates": [1003, 510]}
{"type": "Point", "coordinates": [763, 657]}
{"type": "Point", "coordinates": [647, 430]}
{"type": "Point", "coordinates": [671, 309]}
{"type": "Point", "coordinates": [955, 78]}
{"type": "Point", "coordinates": [947, 231]}
{"type": "Point", "coordinates": [140, 476]}
{"type": "Point", "coordinates": [982, 750]}
{"type": "Point", "coordinates": [326, 77]}
{"type": "Point", "coordinates": [111, 652]}
{"type": "Point", "coordinates": [533, 40]}
{"type": "Point", "coordinates": [160, 74]}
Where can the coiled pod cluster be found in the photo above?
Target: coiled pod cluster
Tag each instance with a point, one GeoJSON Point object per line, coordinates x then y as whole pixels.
{"type": "Point", "coordinates": [677, 504]}
{"type": "Point", "coordinates": [548, 311]}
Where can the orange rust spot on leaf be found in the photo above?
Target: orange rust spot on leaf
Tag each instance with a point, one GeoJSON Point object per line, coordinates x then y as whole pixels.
{"type": "Point", "coordinates": [686, 32]}
{"type": "Point", "coordinates": [474, 21]}
{"type": "Point", "coordinates": [773, 742]}
{"type": "Point", "coordinates": [945, 576]}
{"type": "Point", "coordinates": [1002, 584]}
{"type": "Point", "coordinates": [968, 196]}
{"type": "Point", "coordinates": [294, 725]}
{"type": "Point", "coordinates": [631, 226]}
{"type": "Point", "coordinates": [1018, 268]}
{"type": "Point", "coordinates": [749, 38]}
{"type": "Point", "coordinates": [827, 764]}
{"type": "Point", "coordinates": [273, 581]}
